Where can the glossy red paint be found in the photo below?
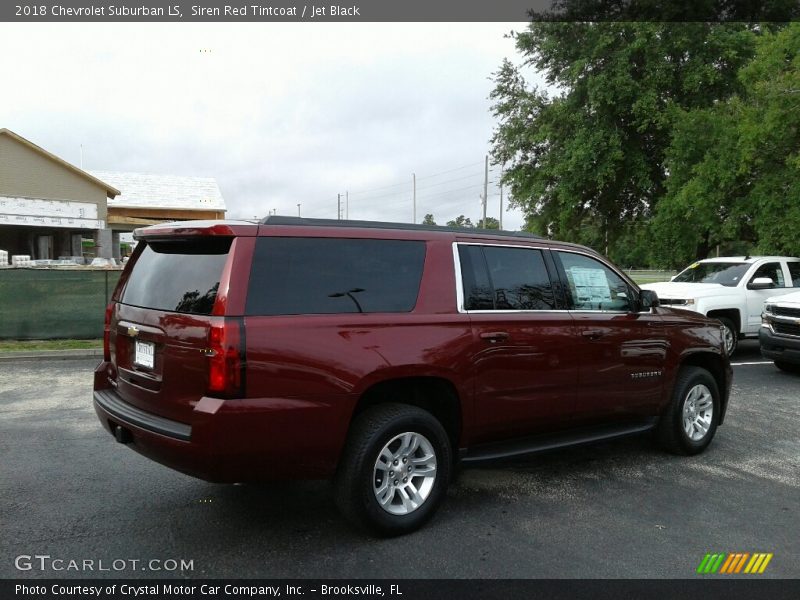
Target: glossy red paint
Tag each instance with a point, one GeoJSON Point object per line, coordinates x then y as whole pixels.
{"type": "Point", "coordinates": [513, 374]}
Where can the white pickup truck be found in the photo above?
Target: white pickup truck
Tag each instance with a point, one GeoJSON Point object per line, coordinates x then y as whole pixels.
{"type": "Point", "coordinates": [731, 289]}
{"type": "Point", "coordinates": [780, 331]}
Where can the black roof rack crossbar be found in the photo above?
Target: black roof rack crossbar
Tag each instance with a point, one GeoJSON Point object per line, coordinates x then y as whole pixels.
{"type": "Point", "coordinates": [303, 222]}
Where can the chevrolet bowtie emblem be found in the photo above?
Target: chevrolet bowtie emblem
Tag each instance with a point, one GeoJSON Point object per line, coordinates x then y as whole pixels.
{"type": "Point", "coordinates": [133, 331]}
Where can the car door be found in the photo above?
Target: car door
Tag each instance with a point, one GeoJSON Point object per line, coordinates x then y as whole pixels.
{"type": "Point", "coordinates": [755, 298]}
{"type": "Point", "coordinates": [621, 351]}
{"type": "Point", "coordinates": [525, 367]}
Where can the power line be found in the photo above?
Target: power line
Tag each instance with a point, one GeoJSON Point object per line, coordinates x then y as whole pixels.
{"type": "Point", "coordinates": [451, 170]}
{"type": "Point", "coordinates": [437, 194]}
{"type": "Point", "coordinates": [405, 183]}
{"type": "Point", "coordinates": [390, 195]}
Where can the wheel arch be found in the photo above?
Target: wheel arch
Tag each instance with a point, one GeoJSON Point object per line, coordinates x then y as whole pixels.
{"type": "Point", "coordinates": [716, 366]}
{"type": "Point", "coordinates": [434, 393]}
{"type": "Point", "coordinates": [729, 313]}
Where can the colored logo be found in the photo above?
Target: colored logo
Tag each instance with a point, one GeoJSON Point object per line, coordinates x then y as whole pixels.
{"type": "Point", "coordinates": [735, 562]}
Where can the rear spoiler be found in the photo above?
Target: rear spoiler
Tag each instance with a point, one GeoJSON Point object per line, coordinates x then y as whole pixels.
{"type": "Point", "coordinates": [182, 229]}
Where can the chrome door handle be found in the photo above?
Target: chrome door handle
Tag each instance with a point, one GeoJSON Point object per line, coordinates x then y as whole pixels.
{"type": "Point", "coordinates": [592, 334]}
{"type": "Point", "coordinates": [495, 336]}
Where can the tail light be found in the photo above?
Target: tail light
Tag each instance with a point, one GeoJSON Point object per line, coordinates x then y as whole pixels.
{"type": "Point", "coordinates": [107, 332]}
{"type": "Point", "coordinates": [226, 364]}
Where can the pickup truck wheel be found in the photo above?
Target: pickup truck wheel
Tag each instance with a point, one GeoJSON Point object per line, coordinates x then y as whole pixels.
{"type": "Point", "coordinates": [690, 421]}
{"type": "Point", "coordinates": [788, 367]}
{"type": "Point", "coordinates": [394, 469]}
{"type": "Point", "coordinates": [729, 334]}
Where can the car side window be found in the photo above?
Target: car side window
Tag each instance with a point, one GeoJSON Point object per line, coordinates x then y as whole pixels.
{"type": "Point", "coordinates": [794, 271]}
{"type": "Point", "coordinates": [771, 270]}
{"type": "Point", "coordinates": [593, 286]}
{"type": "Point", "coordinates": [505, 278]}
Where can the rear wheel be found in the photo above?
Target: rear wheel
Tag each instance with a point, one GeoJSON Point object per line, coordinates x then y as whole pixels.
{"type": "Point", "coordinates": [788, 367]}
{"type": "Point", "coordinates": [730, 335]}
{"type": "Point", "coordinates": [690, 421]}
{"type": "Point", "coordinates": [394, 470]}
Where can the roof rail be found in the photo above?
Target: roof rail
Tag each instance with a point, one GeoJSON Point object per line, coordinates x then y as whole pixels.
{"type": "Point", "coordinates": [303, 222]}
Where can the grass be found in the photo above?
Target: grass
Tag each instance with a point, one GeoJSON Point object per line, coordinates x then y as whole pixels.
{"type": "Point", "coordinates": [37, 345]}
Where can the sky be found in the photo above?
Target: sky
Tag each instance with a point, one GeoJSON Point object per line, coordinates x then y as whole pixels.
{"type": "Point", "coordinates": [279, 114]}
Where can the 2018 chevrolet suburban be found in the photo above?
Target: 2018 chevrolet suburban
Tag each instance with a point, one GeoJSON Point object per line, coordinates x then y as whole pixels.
{"type": "Point", "coordinates": [381, 355]}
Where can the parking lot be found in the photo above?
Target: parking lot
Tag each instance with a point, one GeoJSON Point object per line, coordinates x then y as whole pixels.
{"type": "Point", "coordinates": [619, 509]}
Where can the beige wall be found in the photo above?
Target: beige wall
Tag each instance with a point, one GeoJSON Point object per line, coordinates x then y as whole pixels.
{"type": "Point", "coordinates": [28, 174]}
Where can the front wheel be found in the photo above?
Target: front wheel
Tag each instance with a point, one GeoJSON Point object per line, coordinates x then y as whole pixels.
{"type": "Point", "coordinates": [690, 421]}
{"type": "Point", "coordinates": [394, 470]}
{"type": "Point", "coordinates": [730, 335]}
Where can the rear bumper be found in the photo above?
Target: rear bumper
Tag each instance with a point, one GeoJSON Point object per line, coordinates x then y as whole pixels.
{"type": "Point", "coordinates": [113, 406]}
{"type": "Point", "coordinates": [231, 441]}
{"type": "Point", "coordinates": [779, 347]}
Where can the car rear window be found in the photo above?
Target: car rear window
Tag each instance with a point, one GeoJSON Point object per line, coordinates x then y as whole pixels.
{"type": "Point", "coordinates": [292, 276]}
{"type": "Point", "coordinates": [180, 276]}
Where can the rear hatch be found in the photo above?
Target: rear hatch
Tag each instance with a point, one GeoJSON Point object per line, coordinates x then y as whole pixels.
{"type": "Point", "coordinates": [170, 327]}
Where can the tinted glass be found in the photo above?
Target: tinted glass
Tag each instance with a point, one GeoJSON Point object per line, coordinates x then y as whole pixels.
{"type": "Point", "coordinates": [478, 293]}
{"type": "Point", "coordinates": [292, 276]}
{"type": "Point", "coordinates": [180, 276]}
{"type": "Point", "coordinates": [497, 278]}
{"type": "Point", "coordinates": [593, 286]}
{"type": "Point", "coordinates": [771, 271]}
{"type": "Point", "coordinates": [727, 274]}
{"type": "Point", "coordinates": [794, 271]}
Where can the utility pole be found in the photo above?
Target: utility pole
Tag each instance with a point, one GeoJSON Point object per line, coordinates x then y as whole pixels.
{"type": "Point", "coordinates": [347, 204]}
{"type": "Point", "coordinates": [338, 207]}
{"type": "Point", "coordinates": [298, 209]}
{"type": "Point", "coordinates": [501, 198]}
{"type": "Point", "coordinates": [414, 196]}
{"type": "Point", "coordinates": [485, 188]}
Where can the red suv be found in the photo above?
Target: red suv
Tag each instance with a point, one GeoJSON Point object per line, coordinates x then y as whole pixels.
{"type": "Point", "coordinates": [383, 354]}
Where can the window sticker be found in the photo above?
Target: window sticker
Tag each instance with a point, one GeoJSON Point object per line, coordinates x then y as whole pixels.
{"type": "Point", "coordinates": [591, 285]}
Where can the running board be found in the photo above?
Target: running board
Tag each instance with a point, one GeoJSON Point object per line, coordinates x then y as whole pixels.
{"type": "Point", "coordinates": [543, 443]}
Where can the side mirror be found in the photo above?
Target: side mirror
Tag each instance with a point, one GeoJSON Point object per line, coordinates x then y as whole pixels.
{"type": "Point", "coordinates": [761, 283]}
{"type": "Point", "coordinates": [648, 299]}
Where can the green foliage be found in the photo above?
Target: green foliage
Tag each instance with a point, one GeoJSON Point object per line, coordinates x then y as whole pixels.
{"type": "Point", "coordinates": [491, 223]}
{"type": "Point", "coordinates": [428, 220]}
{"type": "Point", "coordinates": [769, 141]}
{"type": "Point", "coordinates": [662, 140]}
{"type": "Point", "coordinates": [461, 221]}
{"type": "Point", "coordinates": [735, 167]}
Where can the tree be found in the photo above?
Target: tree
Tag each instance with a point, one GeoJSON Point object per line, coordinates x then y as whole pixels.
{"type": "Point", "coordinates": [769, 142]}
{"type": "Point", "coordinates": [735, 167]}
{"type": "Point", "coordinates": [461, 221]}
{"type": "Point", "coordinates": [588, 162]}
{"type": "Point", "coordinates": [428, 220]}
{"type": "Point", "coordinates": [491, 223]}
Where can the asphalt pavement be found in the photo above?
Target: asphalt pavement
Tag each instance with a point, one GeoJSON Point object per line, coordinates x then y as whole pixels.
{"type": "Point", "coordinates": [617, 509]}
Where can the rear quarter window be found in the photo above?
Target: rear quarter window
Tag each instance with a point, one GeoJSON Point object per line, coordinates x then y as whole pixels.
{"type": "Point", "coordinates": [180, 276]}
{"type": "Point", "coordinates": [292, 276]}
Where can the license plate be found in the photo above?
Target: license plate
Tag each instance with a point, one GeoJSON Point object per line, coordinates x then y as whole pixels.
{"type": "Point", "coordinates": [145, 354]}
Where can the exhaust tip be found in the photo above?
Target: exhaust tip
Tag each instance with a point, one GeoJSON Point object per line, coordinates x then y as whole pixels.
{"type": "Point", "coordinates": [122, 435]}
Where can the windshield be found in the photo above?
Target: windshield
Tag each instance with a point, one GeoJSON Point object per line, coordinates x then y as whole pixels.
{"type": "Point", "coordinates": [728, 274]}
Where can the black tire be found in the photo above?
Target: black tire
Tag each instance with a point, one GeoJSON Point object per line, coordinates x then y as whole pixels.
{"type": "Point", "coordinates": [734, 332]}
{"type": "Point", "coordinates": [353, 485]}
{"type": "Point", "coordinates": [670, 432]}
{"type": "Point", "coordinates": [788, 367]}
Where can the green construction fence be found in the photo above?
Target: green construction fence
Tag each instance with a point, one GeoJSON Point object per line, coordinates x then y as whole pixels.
{"type": "Point", "coordinates": [44, 304]}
